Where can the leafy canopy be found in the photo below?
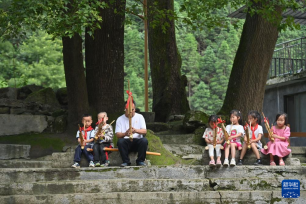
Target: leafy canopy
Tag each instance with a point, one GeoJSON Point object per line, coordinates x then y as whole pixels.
{"type": "Point", "coordinates": [57, 17]}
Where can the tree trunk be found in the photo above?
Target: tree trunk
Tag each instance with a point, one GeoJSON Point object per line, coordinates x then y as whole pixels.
{"type": "Point", "coordinates": [75, 80]}
{"type": "Point", "coordinates": [104, 59]}
{"type": "Point", "coordinates": [169, 94]}
{"type": "Point", "coordinates": [248, 78]}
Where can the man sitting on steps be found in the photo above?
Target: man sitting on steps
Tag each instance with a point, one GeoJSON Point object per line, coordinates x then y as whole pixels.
{"type": "Point", "coordinates": [139, 143]}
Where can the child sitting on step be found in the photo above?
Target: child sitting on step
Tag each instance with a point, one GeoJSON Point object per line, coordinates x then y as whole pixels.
{"type": "Point", "coordinates": [88, 135]}
{"type": "Point", "coordinates": [235, 131]}
{"type": "Point", "coordinates": [209, 138]}
{"type": "Point", "coordinates": [281, 134]}
{"type": "Point", "coordinates": [104, 139]}
{"type": "Point", "coordinates": [255, 135]}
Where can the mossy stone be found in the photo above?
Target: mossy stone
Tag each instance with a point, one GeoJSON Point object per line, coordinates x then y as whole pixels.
{"type": "Point", "coordinates": [166, 158]}
{"type": "Point", "coordinates": [43, 96]}
{"type": "Point", "coordinates": [158, 126]}
{"type": "Point", "coordinates": [198, 136]}
{"type": "Point", "coordinates": [61, 95]}
{"type": "Point", "coordinates": [60, 124]}
{"type": "Point", "coordinates": [194, 119]}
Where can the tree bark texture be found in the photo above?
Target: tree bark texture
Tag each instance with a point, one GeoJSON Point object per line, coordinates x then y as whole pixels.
{"type": "Point", "coordinates": [104, 58]}
{"type": "Point", "coordinates": [169, 94]}
{"type": "Point", "coordinates": [246, 87]}
{"type": "Point", "coordinates": [75, 79]}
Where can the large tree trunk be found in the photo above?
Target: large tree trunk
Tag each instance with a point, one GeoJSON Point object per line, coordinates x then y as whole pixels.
{"type": "Point", "coordinates": [75, 80]}
{"type": "Point", "coordinates": [104, 59]}
{"type": "Point", "coordinates": [169, 94]}
{"type": "Point", "coordinates": [248, 78]}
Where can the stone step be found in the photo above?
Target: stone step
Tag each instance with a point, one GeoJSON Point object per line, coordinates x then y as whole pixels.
{"type": "Point", "coordinates": [184, 149]}
{"type": "Point", "coordinates": [25, 164]}
{"type": "Point", "coordinates": [13, 151]}
{"type": "Point", "coordinates": [159, 197]}
{"type": "Point", "coordinates": [105, 186]}
{"type": "Point", "coordinates": [299, 153]}
{"type": "Point", "coordinates": [154, 172]}
{"type": "Point", "coordinates": [65, 159]}
{"type": "Point", "coordinates": [140, 185]}
{"type": "Point", "coordinates": [176, 139]}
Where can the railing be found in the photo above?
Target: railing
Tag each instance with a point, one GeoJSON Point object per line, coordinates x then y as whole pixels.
{"type": "Point", "coordinates": [288, 58]}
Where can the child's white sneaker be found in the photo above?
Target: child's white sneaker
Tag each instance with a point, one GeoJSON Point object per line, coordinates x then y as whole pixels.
{"type": "Point", "coordinates": [233, 162]}
{"type": "Point", "coordinates": [225, 163]}
{"type": "Point", "coordinates": [91, 164]}
{"type": "Point", "coordinates": [76, 165]}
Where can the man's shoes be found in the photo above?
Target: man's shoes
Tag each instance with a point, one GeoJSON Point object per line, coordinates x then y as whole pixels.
{"type": "Point", "coordinates": [105, 165]}
{"type": "Point", "coordinates": [91, 164]}
{"type": "Point", "coordinates": [97, 164]}
{"type": "Point", "coordinates": [141, 164]}
{"type": "Point", "coordinates": [76, 165]}
{"type": "Point", "coordinates": [258, 162]}
{"type": "Point", "coordinates": [125, 164]}
{"type": "Point", "coordinates": [240, 162]}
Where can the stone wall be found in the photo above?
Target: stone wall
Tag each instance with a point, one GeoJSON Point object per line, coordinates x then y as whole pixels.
{"type": "Point", "coordinates": [32, 109]}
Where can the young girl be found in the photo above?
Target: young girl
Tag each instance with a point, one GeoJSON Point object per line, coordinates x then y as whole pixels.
{"type": "Point", "coordinates": [278, 147]}
{"type": "Point", "coordinates": [255, 136]}
{"type": "Point", "coordinates": [235, 131]}
{"type": "Point", "coordinates": [209, 138]}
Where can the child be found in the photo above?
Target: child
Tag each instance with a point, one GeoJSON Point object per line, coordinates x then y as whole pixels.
{"type": "Point", "coordinates": [88, 135]}
{"type": "Point", "coordinates": [105, 139]}
{"type": "Point", "coordinates": [255, 136]}
{"type": "Point", "coordinates": [209, 138]}
{"type": "Point", "coordinates": [278, 147]}
{"type": "Point", "coordinates": [235, 131]}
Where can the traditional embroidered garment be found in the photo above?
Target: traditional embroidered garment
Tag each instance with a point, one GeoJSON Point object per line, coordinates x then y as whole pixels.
{"type": "Point", "coordinates": [279, 147]}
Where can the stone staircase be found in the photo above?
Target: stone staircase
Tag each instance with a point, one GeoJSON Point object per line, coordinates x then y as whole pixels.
{"type": "Point", "coordinates": [51, 180]}
{"type": "Point", "coordinates": [181, 145]}
{"type": "Point", "coordinates": [155, 184]}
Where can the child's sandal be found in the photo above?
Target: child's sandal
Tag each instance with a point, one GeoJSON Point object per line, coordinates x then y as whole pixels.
{"type": "Point", "coordinates": [272, 163]}
{"type": "Point", "coordinates": [282, 163]}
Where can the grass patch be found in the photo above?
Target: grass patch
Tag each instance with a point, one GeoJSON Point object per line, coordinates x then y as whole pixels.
{"type": "Point", "coordinates": [166, 158]}
{"type": "Point", "coordinates": [43, 141]}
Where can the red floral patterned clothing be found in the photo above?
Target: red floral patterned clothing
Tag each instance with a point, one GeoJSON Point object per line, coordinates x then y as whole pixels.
{"type": "Point", "coordinates": [209, 134]}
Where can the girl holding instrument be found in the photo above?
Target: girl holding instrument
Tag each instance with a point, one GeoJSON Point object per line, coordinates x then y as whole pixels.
{"type": "Point", "coordinates": [255, 133]}
{"type": "Point", "coordinates": [281, 134]}
{"type": "Point", "coordinates": [214, 138]}
{"type": "Point", "coordinates": [235, 131]}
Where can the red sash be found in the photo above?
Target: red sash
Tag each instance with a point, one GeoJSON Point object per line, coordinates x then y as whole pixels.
{"type": "Point", "coordinates": [86, 130]}
{"type": "Point", "coordinates": [253, 131]}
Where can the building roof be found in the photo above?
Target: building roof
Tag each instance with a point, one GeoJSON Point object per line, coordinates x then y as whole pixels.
{"type": "Point", "coordinates": [299, 16]}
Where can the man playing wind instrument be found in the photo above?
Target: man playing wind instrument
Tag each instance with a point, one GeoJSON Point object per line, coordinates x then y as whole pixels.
{"type": "Point", "coordinates": [131, 139]}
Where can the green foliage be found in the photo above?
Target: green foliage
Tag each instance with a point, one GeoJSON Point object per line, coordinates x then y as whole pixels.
{"type": "Point", "coordinates": [38, 60]}
{"type": "Point", "coordinates": [59, 18]}
{"type": "Point", "coordinates": [206, 13]}
{"type": "Point", "coordinates": [206, 38]}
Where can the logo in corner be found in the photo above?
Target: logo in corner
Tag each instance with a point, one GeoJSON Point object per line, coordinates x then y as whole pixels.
{"type": "Point", "coordinates": [290, 188]}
